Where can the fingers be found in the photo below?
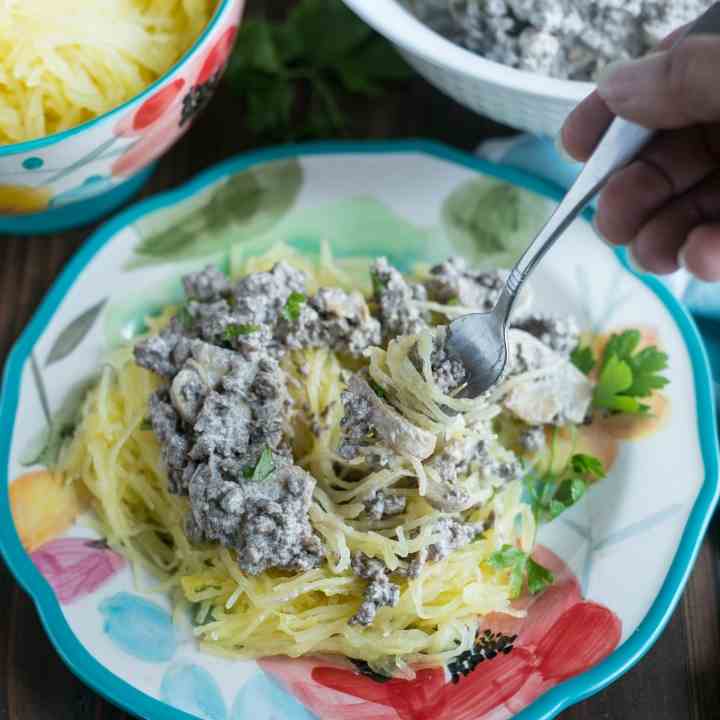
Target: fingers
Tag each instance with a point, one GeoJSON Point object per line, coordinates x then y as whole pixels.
{"type": "Point", "coordinates": [584, 127]}
{"type": "Point", "coordinates": [659, 241]}
{"type": "Point", "coordinates": [587, 123]}
{"type": "Point", "coordinates": [672, 164]}
{"type": "Point", "coordinates": [701, 253]}
{"type": "Point", "coordinates": [667, 89]}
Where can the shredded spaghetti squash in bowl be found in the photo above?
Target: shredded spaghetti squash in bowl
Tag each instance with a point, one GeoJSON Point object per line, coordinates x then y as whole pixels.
{"type": "Point", "coordinates": [295, 463]}
{"type": "Point", "coordinates": [65, 62]}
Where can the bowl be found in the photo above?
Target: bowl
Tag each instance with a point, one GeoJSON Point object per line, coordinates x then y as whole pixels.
{"type": "Point", "coordinates": [524, 100]}
{"type": "Point", "coordinates": [77, 176]}
{"type": "Point", "coordinates": [414, 202]}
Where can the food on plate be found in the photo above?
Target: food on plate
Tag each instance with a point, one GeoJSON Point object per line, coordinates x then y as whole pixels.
{"type": "Point", "coordinates": [297, 465]}
{"type": "Point", "coordinates": [67, 61]}
{"type": "Point", "coordinates": [571, 39]}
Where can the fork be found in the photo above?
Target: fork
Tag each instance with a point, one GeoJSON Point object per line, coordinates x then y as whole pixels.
{"type": "Point", "coordinates": [479, 340]}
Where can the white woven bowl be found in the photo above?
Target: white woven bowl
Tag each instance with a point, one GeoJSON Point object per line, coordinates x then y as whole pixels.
{"type": "Point", "coordinates": [523, 100]}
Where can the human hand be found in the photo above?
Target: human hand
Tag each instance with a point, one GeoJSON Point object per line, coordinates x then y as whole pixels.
{"type": "Point", "coordinates": [665, 204]}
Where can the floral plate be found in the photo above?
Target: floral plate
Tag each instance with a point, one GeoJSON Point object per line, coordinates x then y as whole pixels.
{"type": "Point", "coordinates": [639, 528]}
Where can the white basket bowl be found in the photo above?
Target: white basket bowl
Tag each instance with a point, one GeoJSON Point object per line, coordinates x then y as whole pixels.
{"type": "Point", "coordinates": [524, 100]}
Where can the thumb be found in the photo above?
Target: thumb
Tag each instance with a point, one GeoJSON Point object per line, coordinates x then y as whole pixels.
{"type": "Point", "coordinates": [668, 89]}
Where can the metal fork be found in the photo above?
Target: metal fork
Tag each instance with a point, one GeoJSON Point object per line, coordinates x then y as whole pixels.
{"type": "Point", "coordinates": [479, 340]}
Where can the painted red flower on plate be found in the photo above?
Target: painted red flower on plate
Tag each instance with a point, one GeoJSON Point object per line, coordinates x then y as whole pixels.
{"type": "Point", "coordinates": [561, 636]}
{"type": "Point", "coordinates": [167, 114]}
{"type": "Point", "coordinates": [76, 567]}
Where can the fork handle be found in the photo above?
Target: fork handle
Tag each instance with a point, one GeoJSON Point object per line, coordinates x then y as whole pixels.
{"type": "Point", "coordinates": [622, 142]}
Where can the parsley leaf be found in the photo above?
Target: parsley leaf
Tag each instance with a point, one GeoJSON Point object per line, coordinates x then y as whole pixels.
{"type": "Point", "coordinates": [293, 306]}
{"type": "Point", "coordinates": [584, 464]}
{"type": "Point", "coordinates": [552, 493]}
{"type": "Point", "coordinates": [378, 285]}
{"type": "Point", "coordinates": [294, 75]}
{"type": "Point", "coordinates": [184, 317]}
{"type": "Point", "coordinates": [234, 331]}
{"type": "Point", "coordinates": [583, 359]}
{"type": "Point", "coordinates": [521, 565]}
{"type": "Point", "coordinates": [627, 375]}
{"type": "Point", "coordinates": [615, 378]}
{"type": "Point", "coordinates": [538, 577]}
{"type": "Point", "coordinates": [265, 466]}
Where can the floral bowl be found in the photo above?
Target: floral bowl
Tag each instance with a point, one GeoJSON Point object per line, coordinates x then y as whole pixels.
{"type": "Point", "coordinates": [74, 177]}
{"type": "Point", "coordinates": [639, 528]}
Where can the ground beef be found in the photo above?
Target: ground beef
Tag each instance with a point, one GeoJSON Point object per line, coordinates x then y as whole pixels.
{"type": "Point", "coordinates": [370, 420]}
{"type": "Point", "coordinates": [167, 426]}
{"type": "Point", "coordinates": [448, 372]}
{"type": "Point", "coordinates": [454, 282]}
{"type": "Point", "coordinates": [380, 592]}
{"type": "Point", "coordinates": [572, 39]}
{"type": "Point", "coordinates": [156, 353]}
{"type": "Point", "coordinates": [206, 285]}
{"type": "Point", "coordinates": [331, 318]}
{"type": "Point", "coordinates": [396, 301]}
{"type": "Point", "coordinates": [451, 534]}
{"type": "Point", "coordinates": [382, 504]}
{"type": "Point", "coordinates": [264, 521]}
{"type": "Point", "coordinates": [560, 334]}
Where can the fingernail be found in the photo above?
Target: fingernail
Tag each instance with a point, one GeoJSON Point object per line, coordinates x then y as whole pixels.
{"type": "Point", "coordinates": [624, 79]}
{"type": "Point", "coordinates": [561, 151]}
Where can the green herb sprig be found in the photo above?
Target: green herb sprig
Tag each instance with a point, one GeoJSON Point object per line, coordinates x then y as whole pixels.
{"type": "Point", "coordinates": [295, 75]}
{"type": "Point", "coordinates": [551, 493]}
{"type": "Point", "coordinates": [293, 306]}
{"type": "Point", "coordinates": [234, 331]}
{"type": "Point", "coordinates": [626, 374]}
{"type": "Point", "coordinates": [263, 470]}
{"type": "Point", "coordinates": [521, 567]}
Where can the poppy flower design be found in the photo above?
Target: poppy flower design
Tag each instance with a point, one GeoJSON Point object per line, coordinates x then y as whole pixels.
{"type": "Point", "coordinates": [76, 567]}
{"type": "Point", "coordinates": [561, 636]}
{"type": "Point", "coordinates": [167, 114]}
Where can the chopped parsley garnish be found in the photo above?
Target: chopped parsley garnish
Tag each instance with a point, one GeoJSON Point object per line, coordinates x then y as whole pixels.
{"type": "Point", "coordinates": [378, 285]}
{"type": "Point", "coordinates": [551, 493]}
{"type": "Point", "coordinates": [627, 374]}
{"type": "Point", "coordinates": [265, 466]}
{"type": "Point", "coordinates": [184, 317]}
{"type": "Point", "coordinates": [293, 306]}
{"type": "Point", "coordinates": [377, 389]}
{"type": "Point", "coordinates": [521, 566]}
{"type": "Point", "coordinates": [234, 331]}
{"type": "Point", "coordinates": [146, 424]}
{"type": "Point", "coordinates": [583, 359]}
{"type": "Point", "coordinates": [584, 464]}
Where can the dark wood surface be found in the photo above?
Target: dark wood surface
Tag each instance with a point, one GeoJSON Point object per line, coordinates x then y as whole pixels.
{"type": "Point", "coordinates": [679, 678]}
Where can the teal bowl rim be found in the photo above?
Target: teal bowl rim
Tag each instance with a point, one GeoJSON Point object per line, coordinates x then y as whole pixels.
{"type": "Point", "coordinates": [31, 145]}
{"type": "Point", "coordinates": [548, 705]}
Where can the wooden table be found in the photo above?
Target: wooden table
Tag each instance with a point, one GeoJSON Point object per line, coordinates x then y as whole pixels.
{"type": "Point", "coordinates": [678, 679]}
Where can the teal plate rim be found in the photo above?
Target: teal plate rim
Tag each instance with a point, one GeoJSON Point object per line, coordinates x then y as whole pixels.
{"type": "Point", "coordinates": [548, 705]}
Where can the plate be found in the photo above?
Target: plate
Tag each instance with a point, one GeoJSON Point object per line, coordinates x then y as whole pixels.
{"type": "Point", "coordinates": [415, 202]}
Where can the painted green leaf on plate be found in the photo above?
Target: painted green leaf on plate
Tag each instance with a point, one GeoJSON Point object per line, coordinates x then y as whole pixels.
{"type": "Point", "coordinates": [74, 333]}
{"type": "Point", "coordinates": [491, 222]}
{"type": "Point", "coordinates": [244, 205]}
{"type": "Point", "coordinates": [359, 227]}
{"type": "Point", "coordinates": [44, 448]}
